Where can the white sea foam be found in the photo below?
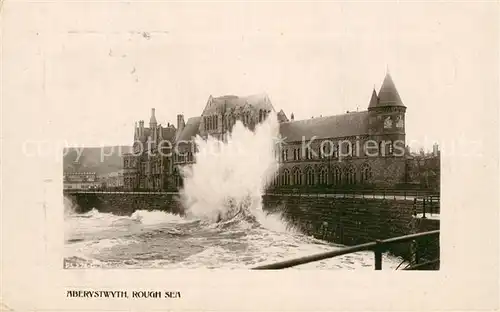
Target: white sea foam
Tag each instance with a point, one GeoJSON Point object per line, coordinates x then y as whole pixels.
{"type": "Point", "coordinates": [230, 177]}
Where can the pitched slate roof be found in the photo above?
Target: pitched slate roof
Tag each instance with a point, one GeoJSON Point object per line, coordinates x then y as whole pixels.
{"type": "Point", "coordinates": [350, 124]}
{"type": "Point", "coordinates": [190, 129]}
{"type": "Point", "coordinates": [228, 102]}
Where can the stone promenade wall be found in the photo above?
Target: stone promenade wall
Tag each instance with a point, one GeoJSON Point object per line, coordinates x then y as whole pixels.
{"type": "Point", "coordinates": [126, 203]}
{"type": "Point", "coordinates": [348, 221]}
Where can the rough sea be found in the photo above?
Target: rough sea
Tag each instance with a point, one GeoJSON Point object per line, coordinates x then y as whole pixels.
{"type": "Point", "coordinates": [224, 226]}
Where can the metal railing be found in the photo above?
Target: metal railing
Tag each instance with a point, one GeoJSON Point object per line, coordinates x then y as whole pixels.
{"type": "Point", "coordinates": [104, 191]}
{"type": "Point", "coordinates": [357, 193]}
{"type": "Point", "coordinates": [378, 247]}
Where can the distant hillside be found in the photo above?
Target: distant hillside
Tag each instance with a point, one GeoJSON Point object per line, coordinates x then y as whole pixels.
{"type": "Point", "coordinates": [90, 159]}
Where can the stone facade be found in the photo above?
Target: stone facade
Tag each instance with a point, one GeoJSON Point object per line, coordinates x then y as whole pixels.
{"type": "Point", "coordinates": [351, 221]}
{"type": "Point", "coordinates": [149, 166]}
{"type": "Point", "coordinates": [124, 204]}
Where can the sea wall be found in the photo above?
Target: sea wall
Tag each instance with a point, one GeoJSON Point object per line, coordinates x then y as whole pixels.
{"type": "Point", "coordinates": [126, 203]}
{"type": "Point", "coordinates": [349, 221]}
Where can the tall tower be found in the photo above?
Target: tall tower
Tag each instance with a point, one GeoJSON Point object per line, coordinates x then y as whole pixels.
{"type": "Point", "coordinates": [152, 120]}
{"type": "Point", "coordinates": [387, 118]}
{"type": "Point", "coordinates": [153, 127]}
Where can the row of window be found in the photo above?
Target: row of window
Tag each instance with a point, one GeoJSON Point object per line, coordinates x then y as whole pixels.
{"type": "Point", "coordinates": [348, 175]}
{"type": "Point", "coordinates": [325, 152]}
{"type": "Point", "coordinates": [187, 157]}
{"type": "Point", "coordinates": [263, 114]}
{"type": "Point", "coordinates": [129, 163]}
{"type": "Point", "coordinates": [211, 122]}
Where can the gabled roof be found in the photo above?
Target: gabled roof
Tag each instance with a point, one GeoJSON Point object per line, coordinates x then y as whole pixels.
{"type": "Point", "coordinates": [190, 130]}
{"type": "Point", "coordinates": [350, 124]}
{"type": "Point", "coordinates": [229, 102]}
{"type": "Point", "coordinates": [388, 94]}
{"type": "Point", "coordinates": [168, 133]}
{"type": "Point", "coordinates": [282, 116]}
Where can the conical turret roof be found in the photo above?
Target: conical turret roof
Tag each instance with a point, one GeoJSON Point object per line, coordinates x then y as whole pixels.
{"type": "Point", "coordinates": [388, 94]}
{"type": "Point", "coordinates": [374, 99]}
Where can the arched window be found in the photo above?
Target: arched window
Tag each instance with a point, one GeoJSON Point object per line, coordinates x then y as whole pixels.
{"type": "Point", "coordinates": [285, 178]}
{"type": "Point", "coordinates": [390, 148]}
{"type": "Point", "coordinates": [335, 153]}
{"type": "Point", "coordinates": [381, 149]}
{"type": "Point", "coordinates": [323, 176]}
{"type": "Point", "coordinates": [310, 176]}
{"type": "Point", "coordinates": [366, 173]}
{"type": "Point", "coordinates": [325, 150]}
{"type": "Point", "coordinates": [284, 155]}
{"type": "Point", "coordinates": [297, 176]}
{"type": "Point", "coordinates": [276, 180]}
{"type": "Point", "coordinates": [336, 176]}
{"type": "Point", "coordinates": [350, 175]}
{"type": "Point", "coordinates": [296, 154]}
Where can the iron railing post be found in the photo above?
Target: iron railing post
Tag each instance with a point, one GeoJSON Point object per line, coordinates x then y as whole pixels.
{"type": "Point", "coordinates": [430, 205]}
{"type": "Point", "coordinates": [378, 256]}
{"type": "Point", "coordinates": [423, 207]}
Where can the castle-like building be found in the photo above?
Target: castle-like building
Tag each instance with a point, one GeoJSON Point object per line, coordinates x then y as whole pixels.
{"type": "Point", "coordinates": [356, 149]}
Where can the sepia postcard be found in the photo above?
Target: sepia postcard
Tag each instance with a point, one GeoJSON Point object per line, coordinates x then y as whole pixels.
{"type": "Point", "coordinates": [249, 156]}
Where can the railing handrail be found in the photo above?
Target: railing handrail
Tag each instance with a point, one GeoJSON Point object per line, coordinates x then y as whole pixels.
{"type": "Point", "coordinates": [372, 246]}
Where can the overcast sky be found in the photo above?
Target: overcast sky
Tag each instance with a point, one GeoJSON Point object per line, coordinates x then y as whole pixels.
{"type": "Point", "coordinates": [99, 72]}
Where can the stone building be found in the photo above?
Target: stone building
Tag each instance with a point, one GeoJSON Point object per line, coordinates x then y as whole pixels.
{"type": "Point", "coordinates": [149, 166]}
{"type": "Point", "coordinates": [217, 120]}
{"type": "Point", "coordinates": [424, 169]}
{"type": "Point", "coordinates": [356, 149]}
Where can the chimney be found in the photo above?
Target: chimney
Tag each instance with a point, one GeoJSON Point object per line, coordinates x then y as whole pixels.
{"type": "Point", "coordinates": [435, 149]}
{"type": "Point", "coordinates": [141, 128]}
{"type": "Point", "coordinates": [292, 117]}
{"type": "Point", "coordinates": [180, 122]}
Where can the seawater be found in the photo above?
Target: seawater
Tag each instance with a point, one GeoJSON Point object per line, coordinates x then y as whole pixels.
{"type": "Point", "coordinates": [224, 225]}
{"type": "Point", "coordinates": [155, 239]}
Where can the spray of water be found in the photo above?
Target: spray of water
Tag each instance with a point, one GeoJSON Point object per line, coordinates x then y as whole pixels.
{"type": "Point", "coordinates": [69, 207]}
{"type": "Point", "coordinates": [228, 178]}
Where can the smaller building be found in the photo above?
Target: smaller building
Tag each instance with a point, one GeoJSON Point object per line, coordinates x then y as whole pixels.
{"type": "Point", "coordinates": [424, 169]}
{"type": "Point", "coordinates": [81, 180]}
{"type": "Point", "coordinates": [112, 180]}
